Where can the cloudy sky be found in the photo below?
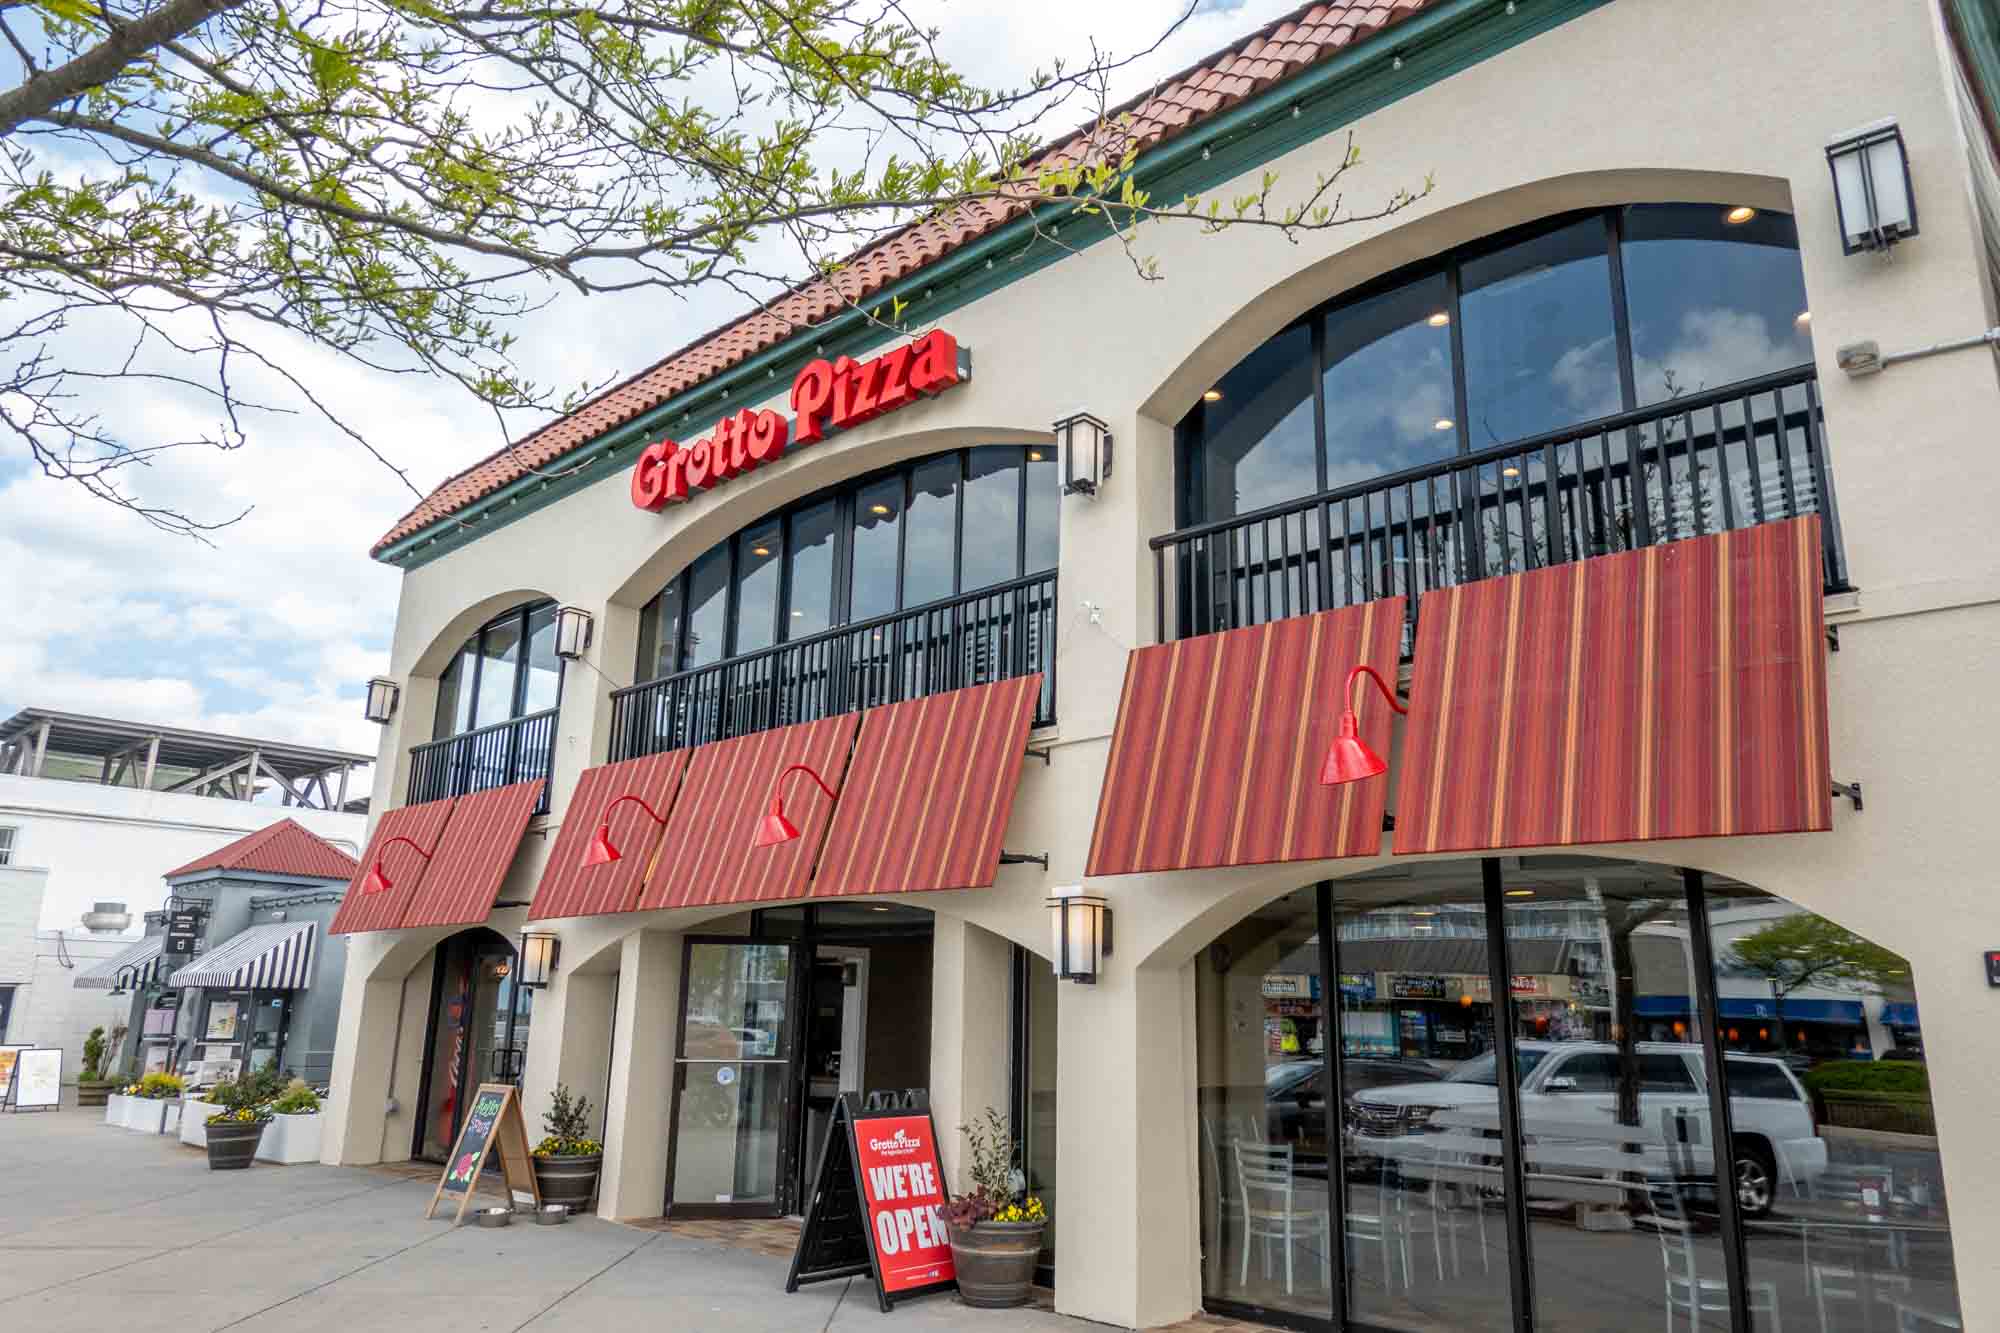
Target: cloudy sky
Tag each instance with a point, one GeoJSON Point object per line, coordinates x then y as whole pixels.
{"type": "Point", "coordinates": [271, 632]}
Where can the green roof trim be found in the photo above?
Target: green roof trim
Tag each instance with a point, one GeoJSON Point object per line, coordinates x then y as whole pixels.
{"type": "Point", "coordinates": [1433, 46]}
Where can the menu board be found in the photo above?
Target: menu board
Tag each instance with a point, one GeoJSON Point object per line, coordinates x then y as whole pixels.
{"type": "Point", "coordinates": [877, 1205]}
{"type": "Point", "coordinates": [493, 1122]}
{"type": "Point", "coordinates": [38, 1079]}
{"type": "Point", "coordinates": [222, 1018]}
{"type": "Point", "coordinates": [8, 1056]}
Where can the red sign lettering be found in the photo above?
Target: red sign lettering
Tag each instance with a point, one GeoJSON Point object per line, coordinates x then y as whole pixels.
{"type": "Point", "coordinates": [826, 397]}
{"type": "Point", "coordinates": [904, 1191]}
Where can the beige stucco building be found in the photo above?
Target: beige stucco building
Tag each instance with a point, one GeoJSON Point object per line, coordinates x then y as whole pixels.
{"type": "Point", "coordinates": [1585, 255]}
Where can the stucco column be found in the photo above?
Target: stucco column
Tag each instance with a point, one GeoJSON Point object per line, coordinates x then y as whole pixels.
{"type": "Point", "coordinates": [969, 1054]}
{"type": "Point", "coordinates": [1127, 1252]}
{"type": "Point", "coordinates": [569, 1039]}
{"type": "Point", "coordinates": [366, 1034]}
{"type": "Point", "coordinates": [642, 1072]}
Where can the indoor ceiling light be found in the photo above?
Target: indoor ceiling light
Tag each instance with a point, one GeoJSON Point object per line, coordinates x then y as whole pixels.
{"type": "Point", "coordinates": [760, 550]}
{"type": "Point", "coordinates": [1803, 318]}
{"type": "Point", "coordinates": [1445, 423]}
{"type": "Point", "coordinates": [1739, 215]}
{"type": "Point", "coordinates": [878, 509]}
{"type": "Point", "coordinates": [1440, 319]}
{"type": "Point", "coordinates": [1520, 893]}
{"type": "Point", "coordinates": [1211, 395]}
{"type": "Point", "coordinates": [1510, 471]}
{"type": "Point", "coordinates": [798, 615]}
{"type": "Point", "coordinates": [1034, 455]}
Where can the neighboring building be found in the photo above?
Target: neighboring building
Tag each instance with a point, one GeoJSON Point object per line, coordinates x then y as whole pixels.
{"type": "Point", "coordinates": [237, 973]}
{"type": "Point", "coordinates": [102, 804]}
{"type": "Point", "coordinates": [38, 1005]}
{"type": "Point", "coordinates": [1566, 447]}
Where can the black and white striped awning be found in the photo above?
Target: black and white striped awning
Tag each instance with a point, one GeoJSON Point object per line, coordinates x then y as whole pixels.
{"type": "Point", "coordinates": [137, 966]}
{"type": "Point", "coordinates": [278, 956]}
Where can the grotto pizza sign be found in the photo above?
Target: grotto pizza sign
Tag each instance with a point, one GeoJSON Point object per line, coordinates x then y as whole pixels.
{"type": "Point", "coordinates": [827, 396]}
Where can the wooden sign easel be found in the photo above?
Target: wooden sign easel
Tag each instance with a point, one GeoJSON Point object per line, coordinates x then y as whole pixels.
{"type": "Point", "coordinates": [492, 1123]}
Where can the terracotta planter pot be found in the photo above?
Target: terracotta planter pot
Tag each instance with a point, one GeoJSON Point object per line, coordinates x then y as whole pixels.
{"type": "Point", "coordinates": [231, 1146]}
{"type": "Point", "coordinates": [996, 1262]}
{"type": "Point", "coordinates": [570, 1180]}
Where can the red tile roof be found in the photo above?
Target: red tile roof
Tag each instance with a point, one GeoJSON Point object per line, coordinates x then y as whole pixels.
{"type": "Point", "coordinates": [1250, 66]}
{"type": "Point", "coordinates": [284, 848]}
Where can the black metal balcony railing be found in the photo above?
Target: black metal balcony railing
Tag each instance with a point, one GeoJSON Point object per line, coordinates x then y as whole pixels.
{"type": "Point", "coordinates": [497, 756]}
{"type": "Point", "coordinates": [1747, 453]}
{"type": "Point", "coordinates": [994, 634]}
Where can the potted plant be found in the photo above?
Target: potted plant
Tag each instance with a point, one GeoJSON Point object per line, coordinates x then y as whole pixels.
{"type": "Point", "coordinates": [234, 1131]}
{"type": "Point", "coordinates": [294, 1133]}
{"type": "Point", "coordinates": [92, 1088]}
{"type": "Point", "coordinates": [144, 1105]}
{"type": "Point", "coordinates": [996, 1229]}
{"type": "Point", "coordinates": [567, 1159]}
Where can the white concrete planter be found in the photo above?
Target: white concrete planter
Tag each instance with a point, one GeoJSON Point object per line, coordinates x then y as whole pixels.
{"type": "Point", "coordinates": [114, 1109]}
{"type": "Point", "coordinates": [194, 1122]}
{"type": "Point", "coordinates": [144, 1114]}
{"type": "Point", "coordinates": [291, 1139]}
{"type": "Point", "coordinates": [171, 1121]}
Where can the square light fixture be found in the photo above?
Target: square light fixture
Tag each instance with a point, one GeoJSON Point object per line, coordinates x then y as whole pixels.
{"type": "Point", "coordinates": [538, 959]}
{"type": "Point", "coordinates": [1871, 187]}
{"type": "Point", "coordinates": [382, 696]}
{"type": "Point", "coordinates": [1086, 452]}
{"type": "Point", "coordinates": [1081, 926]}
{"type": "Point", "coordinates": [573, 626]}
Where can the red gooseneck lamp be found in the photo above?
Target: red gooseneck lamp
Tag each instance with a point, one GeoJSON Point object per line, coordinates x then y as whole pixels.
{"type": "Point", "coordinates": [601, 851]}
{"type": "Point", "coordinates": [774, 828]}
{"type": "Point", "coordinates": [378, 880]}
{"type": "Point", "coordinates": [1349, 758]}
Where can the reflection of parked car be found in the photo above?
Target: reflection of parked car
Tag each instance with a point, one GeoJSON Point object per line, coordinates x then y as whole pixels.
{"type": "Point", "coordinates": [1571, 1082]}
{"type": "Point", "coordinates": [711, 1041]}
{"type": "Point", "coordinates": [1295, 1091]}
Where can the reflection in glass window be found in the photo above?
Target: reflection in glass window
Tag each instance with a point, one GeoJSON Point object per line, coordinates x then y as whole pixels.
{"type": "Point", "coordinates": [707, 608]}
{"type": "Point", "coordinates": [1257, 436]}
{"type": "Point", "coordinates": [1711, 302]}
{"type": "Point", "coordinates": [1540, 348]}
{"type": "Point", "coordinates": [1388, 383]}
{"type": "Point", "coordinates": [932, 531]}
{"type": "Point", "coordinates": [758, 564]}
{"type": "Point", "coordinates": [1044, 520]}
{"type": "Point", "coordinates": [992, 515]}
{"type": "Point", "coordinates": [500, 655]}
{"type": "Point", "coordinates": [811, 556]}
{"type": "Point", "coordinates": [454, 705]}
{"type": "Point", "coordinates": [543, 689]}
{"type": "Point", "coordinates": [878, 513]}
{"type": "Point", "coordinates": [1843, 1189]}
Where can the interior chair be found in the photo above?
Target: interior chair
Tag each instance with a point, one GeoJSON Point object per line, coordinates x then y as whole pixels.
{"type": "Point", "coordinates": [1834, 1286]}
{"type": "Point", "coordinates": [1690, 1294]}
{"type": "Point", "coordinates": [1273, 1212]}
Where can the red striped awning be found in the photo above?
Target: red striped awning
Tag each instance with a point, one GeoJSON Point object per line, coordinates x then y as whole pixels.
{"type": "Point", "coordinates": [1673, 692]}
{"type": "Point", "coordinates": [1215, 758]}
{"type": "Point", "coordinates": [472, 857]}
{"type": "Point", "coordinates": [709, 856]}
{"type": "Point", "coordinates": [928, 792]}
{"type": "Point", "coordinates": [569, 887]}
{"type": "Point", "coordinates": [421, 824]}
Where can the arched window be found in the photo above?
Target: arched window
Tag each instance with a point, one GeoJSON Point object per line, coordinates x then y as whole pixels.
{"type": "Point", "coordinates": [1569, 320]}
{"type": "Point", "coordinates": [926, 532]}
{"type": "Point", "coordinates": [496, 709]}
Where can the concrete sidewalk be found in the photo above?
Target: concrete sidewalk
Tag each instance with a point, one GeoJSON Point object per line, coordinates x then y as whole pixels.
{"type": "Point", "coordinates": [102, 1228]}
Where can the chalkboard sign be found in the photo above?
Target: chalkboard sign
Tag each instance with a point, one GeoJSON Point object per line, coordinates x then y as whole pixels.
{"type": "Point", "coordinates": [877, 1205]}
{"type": "Point", "coordinates": [493, 1124]}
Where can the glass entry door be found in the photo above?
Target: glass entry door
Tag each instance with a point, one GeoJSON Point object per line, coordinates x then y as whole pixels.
{"type": "Point", "coordinates": [732, 1079]}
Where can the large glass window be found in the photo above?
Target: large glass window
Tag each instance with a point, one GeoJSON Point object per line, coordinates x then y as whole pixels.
{"type": "Point", "coordinates": [951, 523]}
{"type": "Point", "coordinates": [507, 669]}
{"type": "Point", "coordinates": [1519, 335]}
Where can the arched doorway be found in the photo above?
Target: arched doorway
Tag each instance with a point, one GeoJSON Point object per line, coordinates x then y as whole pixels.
{"type": "Point", "coordinates": [477, 1033]}
{"type": "Point", "coordinates": [1563, 1093]}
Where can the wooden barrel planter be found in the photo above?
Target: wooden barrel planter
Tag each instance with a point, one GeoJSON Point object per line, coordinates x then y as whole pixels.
{"type": "Point", "coordinates": [570, 1180]}
{"type": "Point", "coordinates": [996, 1262]}
{"type": "Point", "coordinates": [231, 1145]}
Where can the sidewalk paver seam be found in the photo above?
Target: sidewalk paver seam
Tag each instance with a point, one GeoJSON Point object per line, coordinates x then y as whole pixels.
{"type": "Point", "coordinates": [581, 1285]}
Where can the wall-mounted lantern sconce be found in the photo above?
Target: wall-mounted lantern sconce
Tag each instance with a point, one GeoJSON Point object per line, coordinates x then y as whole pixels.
{"type": "Point", "coordinates": [538, 959]}
{"type": "Point", "coordinates": [382, 696]}
{"type": "Point", "coordinates": [573, 626]}
{"type": "Point", "coordinates": [1871, 187]}
{"type": "Point", "coordinates": [1086, 453]}
{"type": "Point", "coordinates": [774, 828]}
{"type": "Point", "coordinates": [1081, 926]}
{"type": "Point", "coordinates": [378, 880]}
{"type": "Point", "coordinates": [1349, 758]}
{"type": "Point", "coordinates": [601, 852]}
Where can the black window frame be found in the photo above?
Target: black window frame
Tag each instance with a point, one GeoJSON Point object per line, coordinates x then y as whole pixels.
{"type": "Point", "coordinates": [520, 617]}
{"type": "Point", "coordinates": [658, 659]}
{"type": "Point", "coordinates": [1190, 456]}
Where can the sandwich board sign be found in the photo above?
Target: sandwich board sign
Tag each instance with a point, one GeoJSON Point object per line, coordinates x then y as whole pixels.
{"type": "Point", "coordinates": [38, 1079]}
{"type": "Point", "coordinates": [877, 1205]}
{"type": "Point", "coordinates": [493, 1123]}
{"type": "Point", "coordinates": [9, 1057]}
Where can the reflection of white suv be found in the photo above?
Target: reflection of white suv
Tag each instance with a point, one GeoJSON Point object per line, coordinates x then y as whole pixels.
{"type": "Point", "coordinates": [1572, 1081]}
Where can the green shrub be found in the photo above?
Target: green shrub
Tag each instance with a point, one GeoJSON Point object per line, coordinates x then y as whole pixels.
{"type": "Point", "coordinates": [93, 1056]}
{"type": "Point", "coordinates": [1903, 1076]}
{"type": "Point", "coordinates": [296, 1099]}
{"type": "Point", "coordinates": [566, 1127]}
